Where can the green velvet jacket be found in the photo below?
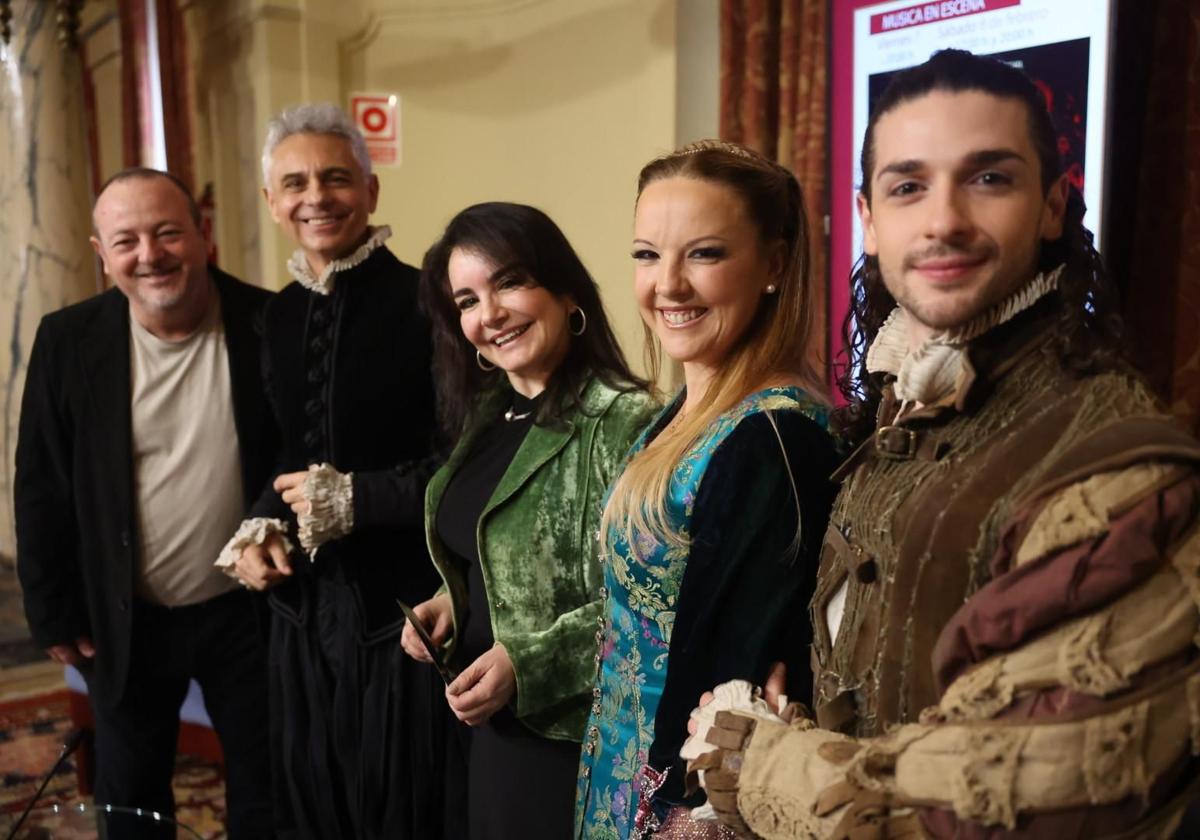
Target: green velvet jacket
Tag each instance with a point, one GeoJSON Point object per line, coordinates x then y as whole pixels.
{"type": "Point", "coordinates": [538, 551]}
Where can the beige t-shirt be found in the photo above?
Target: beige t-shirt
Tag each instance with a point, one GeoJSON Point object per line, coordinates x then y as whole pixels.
{"type": "Point", "coordinates": [186, 463]}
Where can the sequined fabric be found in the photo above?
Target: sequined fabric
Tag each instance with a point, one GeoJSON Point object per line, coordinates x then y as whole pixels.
{"type": "Point", "coordinates": [679, 825]}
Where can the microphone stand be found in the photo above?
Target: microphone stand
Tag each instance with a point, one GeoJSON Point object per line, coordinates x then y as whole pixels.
{"type": "Point", "coordinates": [70, 744]}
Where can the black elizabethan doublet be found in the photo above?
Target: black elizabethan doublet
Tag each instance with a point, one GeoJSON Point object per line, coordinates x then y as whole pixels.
{"type": "Point", "coordinates": [348, 375]}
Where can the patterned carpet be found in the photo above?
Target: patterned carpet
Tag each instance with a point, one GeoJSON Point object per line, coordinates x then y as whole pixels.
{"type": "Point", "coordinates": [31, 732]}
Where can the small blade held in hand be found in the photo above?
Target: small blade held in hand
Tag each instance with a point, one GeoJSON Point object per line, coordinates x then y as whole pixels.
{"type": "Point", "coordinates": [435, 653]}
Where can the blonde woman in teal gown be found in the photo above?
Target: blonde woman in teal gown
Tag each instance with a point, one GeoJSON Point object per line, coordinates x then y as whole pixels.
{"type": "Point", "coordinates": [712, 531]}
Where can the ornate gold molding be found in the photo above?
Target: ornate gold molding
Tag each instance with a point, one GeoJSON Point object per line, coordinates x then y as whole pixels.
{"type": "Point", "coordinates": [66, 15]}
{"type": "Point", "coordinates": [5, 20]}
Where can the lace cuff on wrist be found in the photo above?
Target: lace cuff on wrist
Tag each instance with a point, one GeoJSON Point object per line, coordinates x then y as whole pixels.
{"type": "Point", "coordinates": [330, 495]}
{"type": "Point", "coordinates": [251, 532]}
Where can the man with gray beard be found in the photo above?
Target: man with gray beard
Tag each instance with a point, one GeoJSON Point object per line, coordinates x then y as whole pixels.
{"type": "Point", "coordinates": [144, 435]}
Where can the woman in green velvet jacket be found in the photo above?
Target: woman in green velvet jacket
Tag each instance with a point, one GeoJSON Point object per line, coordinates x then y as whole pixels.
{"type": "Point", "coordinates": [533, 383]}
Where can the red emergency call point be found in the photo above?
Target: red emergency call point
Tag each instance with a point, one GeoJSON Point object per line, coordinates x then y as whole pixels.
{"type": "Point", "coordinates": [377, 116]}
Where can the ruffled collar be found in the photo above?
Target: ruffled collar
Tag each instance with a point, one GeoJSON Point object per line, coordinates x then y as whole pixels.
{"type": "Point", "coordinates": [297, 265]}
{"type": "Point", "coordinates": [934, 370]}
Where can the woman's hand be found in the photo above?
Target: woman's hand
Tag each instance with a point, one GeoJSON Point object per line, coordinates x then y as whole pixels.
{"type": "Point", "coordinates": [290, 487]}
{"type": "Point", "coordinates": [705, 699]}
{"type": "Point", "coordinates": [776, 685]}
{"type": "Point", "coordinates": [483, 687]}
{"type": "Point", "coordinates": [773, 689]}
{"type": "Point", "coordinates": [435, 616]}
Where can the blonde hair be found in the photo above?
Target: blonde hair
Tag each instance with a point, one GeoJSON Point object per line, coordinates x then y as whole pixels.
{"type": "Point", "coordinates": [773, 346]}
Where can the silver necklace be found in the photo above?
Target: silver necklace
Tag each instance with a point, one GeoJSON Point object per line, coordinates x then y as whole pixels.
{"type": "Point", "coordinates": [510, 415]}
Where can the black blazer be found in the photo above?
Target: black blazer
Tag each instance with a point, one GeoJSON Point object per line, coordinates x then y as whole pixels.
{"type": "Point", "coordinates": [75, 507]}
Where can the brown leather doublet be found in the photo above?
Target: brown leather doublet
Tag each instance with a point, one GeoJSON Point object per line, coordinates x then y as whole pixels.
{"type": "Point", "coordinates": [923, 504]}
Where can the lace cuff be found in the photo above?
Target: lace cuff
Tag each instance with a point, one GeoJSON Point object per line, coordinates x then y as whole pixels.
{"type": "Point", "coordinates": [251, 532]}
{"type": "Point", "coordinates": [330, 496]}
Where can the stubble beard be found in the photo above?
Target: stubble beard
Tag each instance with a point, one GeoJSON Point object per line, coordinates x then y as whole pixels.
{"type": "Point", "coordinates": [957, 308]}
{"type": "Point", "coordinates": [174, 297]}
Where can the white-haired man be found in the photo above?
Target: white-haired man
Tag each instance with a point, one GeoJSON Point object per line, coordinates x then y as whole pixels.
{"type": "Point", "coordinates": [347, 370]}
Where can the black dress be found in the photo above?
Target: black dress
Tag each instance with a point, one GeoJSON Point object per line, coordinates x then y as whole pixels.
{"type": "Point", "coordinates": [520, 785]}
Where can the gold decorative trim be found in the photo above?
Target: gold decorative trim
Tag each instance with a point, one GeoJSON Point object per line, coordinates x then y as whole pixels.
{"type": "Point", "coordinates": [5, 20]}
{"type": "Point", "coordinates": [66, 15]}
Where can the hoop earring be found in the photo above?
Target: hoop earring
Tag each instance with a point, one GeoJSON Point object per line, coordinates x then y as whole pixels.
{"type": "Point", "coordinates": [582, 327]}
{"type": "Point", "coordinates": [483, 363]}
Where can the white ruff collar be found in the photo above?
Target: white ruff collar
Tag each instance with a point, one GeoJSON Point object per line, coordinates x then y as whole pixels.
{"type": "Point", "coordinates": [934, 370]}
{"type": "Point", "coordinates": [297, 265]}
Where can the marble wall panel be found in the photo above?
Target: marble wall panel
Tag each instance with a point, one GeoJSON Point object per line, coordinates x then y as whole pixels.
{"type": "Point", "coordinates": [45, 259]}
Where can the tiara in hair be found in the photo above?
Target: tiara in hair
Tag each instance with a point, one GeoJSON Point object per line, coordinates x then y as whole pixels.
{"type": "Point", "coordinates": [714, 146]}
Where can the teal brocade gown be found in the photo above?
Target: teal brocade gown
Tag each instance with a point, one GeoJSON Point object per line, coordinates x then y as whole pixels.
{"type": "Point", "coordinates": [640, 604]}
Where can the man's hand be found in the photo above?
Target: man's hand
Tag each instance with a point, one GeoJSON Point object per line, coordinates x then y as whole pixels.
{"type": "Point", "coordinates": [262, 566]}
{"type": "Point", "coordinates": [290, 487]}
{"type": "Point", "coordinates": [483, 687]}
{"type": "Point", "coordinates": [436, 619]}
{"type": "Point", "coordinates": [72, 654]}
{"type": "Point", "coordinates": [722, 767]}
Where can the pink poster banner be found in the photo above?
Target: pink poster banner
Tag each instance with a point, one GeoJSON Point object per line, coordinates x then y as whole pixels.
{"type": "Point", "coordinates": [933, 12]}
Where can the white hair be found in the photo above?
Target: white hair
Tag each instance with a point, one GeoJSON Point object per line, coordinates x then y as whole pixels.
{"type": "Point", "coordinates": [313, 118]}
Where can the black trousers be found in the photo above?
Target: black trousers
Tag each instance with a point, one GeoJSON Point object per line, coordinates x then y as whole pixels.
{"type": "Point", "coordinates": [220, 644]}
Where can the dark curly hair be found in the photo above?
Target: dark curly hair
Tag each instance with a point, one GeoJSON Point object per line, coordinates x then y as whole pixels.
{"type": "Point", "coordinates": [523, 240]}
{"type": "Point", "coordinates": [1089, 331]}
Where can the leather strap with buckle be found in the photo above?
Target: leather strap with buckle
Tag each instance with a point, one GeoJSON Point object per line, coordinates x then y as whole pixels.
{"type": "Point", "coordinates": [839, 714]}
{"type": "Point", "coordinates": [858, 564]}
{"type": "Point", "coordinates": [895, 443]}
